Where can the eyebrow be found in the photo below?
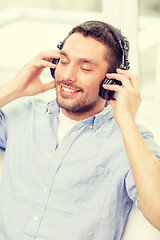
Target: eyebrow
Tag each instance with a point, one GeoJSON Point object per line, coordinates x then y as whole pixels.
{"type": "Point", "coordinates": [63, 53]}
{"type": "Point", "coordinates": [83, 60]}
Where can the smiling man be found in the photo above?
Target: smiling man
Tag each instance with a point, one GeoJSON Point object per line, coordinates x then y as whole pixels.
{"type": "Point", "coordinates": [79, 75]}
{"type": "Point", "coordinates": [74, 166]}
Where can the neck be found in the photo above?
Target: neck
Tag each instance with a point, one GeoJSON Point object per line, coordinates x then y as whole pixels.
{"type": "Point", "coordinates": [82, 115]}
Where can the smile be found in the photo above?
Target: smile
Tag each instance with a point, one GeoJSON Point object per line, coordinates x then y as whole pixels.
{"type": "Point", "coordinates": [67, 91]}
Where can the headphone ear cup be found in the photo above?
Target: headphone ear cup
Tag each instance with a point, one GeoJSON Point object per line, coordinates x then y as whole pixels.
{"type": "Point", "coordinates": [104, 93]}
{"type": "Point", "coordinates": [107, 94]}
{"type": "Point", "coordinates": [52, 70]}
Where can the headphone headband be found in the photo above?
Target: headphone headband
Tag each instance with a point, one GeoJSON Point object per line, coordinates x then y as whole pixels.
{"type": "Point", "coordinates": [122, 43]}
{"type": "Point", "coordinates": [120, 40]}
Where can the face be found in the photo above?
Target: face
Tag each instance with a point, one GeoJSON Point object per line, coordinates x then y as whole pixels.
{"type": "Point", "coordinates": [79, 73]}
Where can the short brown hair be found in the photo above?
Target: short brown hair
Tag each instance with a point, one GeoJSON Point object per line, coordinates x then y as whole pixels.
{"type": "Point", "coordinates": [99, 31]}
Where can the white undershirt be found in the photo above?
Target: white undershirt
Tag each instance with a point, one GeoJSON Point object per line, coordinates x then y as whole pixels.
{"type": "Point", "coordinates": [64, 125]}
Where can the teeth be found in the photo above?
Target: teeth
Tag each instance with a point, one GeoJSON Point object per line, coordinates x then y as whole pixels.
{"type": "Point", "coordinates": [68, 89]}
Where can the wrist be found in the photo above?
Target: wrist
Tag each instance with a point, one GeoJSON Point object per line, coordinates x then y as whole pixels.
{"type": "Point", "coordinates": [13, 90]}
{"type": "Point", "coordinates": [8, 93]}
{"type": "Point", "coordinates": [126, 125]}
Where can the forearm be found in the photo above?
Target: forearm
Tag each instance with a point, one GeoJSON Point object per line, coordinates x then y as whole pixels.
{"type": "Point", "coordinates": [28, 82]}
{"type": "Point", "coordinates": [146, 172]}
{"type": "Point", "coordinates": [8, 93]}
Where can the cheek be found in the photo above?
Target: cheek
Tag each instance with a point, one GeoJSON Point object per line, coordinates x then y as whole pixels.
{"type": "Point", "coordinates": [97, 80]}
{"type": "Point", "coordinates": [93, 86]}
{"type": "Point", "coordinates": [57, 72]}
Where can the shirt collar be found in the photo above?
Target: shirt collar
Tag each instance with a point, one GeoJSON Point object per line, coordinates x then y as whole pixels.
{"type": "Point", "coordinates": [100, 118]}
{"type": "Point", "coordinates": [52, 107]}
{"type": "Point", "coordinates": [95, 121]}
{"type": "Point", "coordinates": [104, 116]}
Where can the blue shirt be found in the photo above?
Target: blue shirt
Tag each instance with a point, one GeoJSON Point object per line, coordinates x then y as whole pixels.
{"type": "Point", "coordinates": [82, 189]}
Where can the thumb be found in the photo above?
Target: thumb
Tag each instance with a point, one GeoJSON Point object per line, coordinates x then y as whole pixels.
{"type": "Point", "coordinates": [112, 103]}
{"type": "Point", "coordinates": [48, 86]}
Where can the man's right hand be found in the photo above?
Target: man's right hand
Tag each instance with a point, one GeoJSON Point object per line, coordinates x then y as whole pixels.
{"type": "Point", "coordinates": [28, 82]}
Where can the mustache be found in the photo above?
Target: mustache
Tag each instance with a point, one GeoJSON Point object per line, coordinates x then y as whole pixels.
{"type": "Point", "coordinates": [69, 84]}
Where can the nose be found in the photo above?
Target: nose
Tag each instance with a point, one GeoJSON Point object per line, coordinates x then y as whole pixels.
{"type": "Point", "coordinates": [70, 73]}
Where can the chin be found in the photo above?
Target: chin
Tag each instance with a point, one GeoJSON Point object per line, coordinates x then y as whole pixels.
{"type": "Point", "coordinates": [78, 107]}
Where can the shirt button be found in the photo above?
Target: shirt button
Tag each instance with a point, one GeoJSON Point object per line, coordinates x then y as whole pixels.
{"type": "Point", "coordinates": [35, 218]}
{"type": "Point", "coordinates": [91, 127]}
{"type": "Point", "coordinates": [50, 155]}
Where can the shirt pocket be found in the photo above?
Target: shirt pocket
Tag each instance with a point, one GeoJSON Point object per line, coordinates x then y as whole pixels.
{"type": "Point", "coordinates": [83, 192]}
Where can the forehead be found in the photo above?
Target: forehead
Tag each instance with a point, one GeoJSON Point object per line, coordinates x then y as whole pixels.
{"type": "Point", "coordinates": [88, 47]}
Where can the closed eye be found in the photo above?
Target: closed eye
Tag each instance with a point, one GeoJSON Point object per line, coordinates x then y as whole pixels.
{"type": "Point", "coordinates": [64, 61]}
{"type": "Point", "coordinates": [86, 69]}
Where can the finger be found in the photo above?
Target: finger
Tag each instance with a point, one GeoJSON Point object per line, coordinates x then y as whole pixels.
{"type": "Point", "coordinates": [122, 78]}
{"type": "Point", "coordinates": [48, 55]}
{"type": "Point", "coordinates": [41, 64]}
{"type": "Point", "coordinates": [111, 87]}
{"type": "Point", "coordinates": [132, 77]}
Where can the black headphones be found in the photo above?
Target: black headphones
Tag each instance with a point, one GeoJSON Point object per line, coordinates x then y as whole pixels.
{"type": "Point", "coordinates": [106, 94]}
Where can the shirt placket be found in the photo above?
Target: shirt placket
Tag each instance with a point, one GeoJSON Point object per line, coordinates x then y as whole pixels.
{"type": "Point", "coordinates": [56, 157]}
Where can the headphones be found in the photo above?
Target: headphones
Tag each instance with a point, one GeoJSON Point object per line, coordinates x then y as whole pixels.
{"type": "Point", "coordinates": [103, 93]}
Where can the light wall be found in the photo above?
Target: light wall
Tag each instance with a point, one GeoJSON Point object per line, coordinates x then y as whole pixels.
{"type": "Point", "coordinates": [4, 4]}
{"type": "Point", "coordinates": [78, 5]}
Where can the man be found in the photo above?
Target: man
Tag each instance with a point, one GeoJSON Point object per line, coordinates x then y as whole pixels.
{"type": "Point", "coordinates": [71, 168]}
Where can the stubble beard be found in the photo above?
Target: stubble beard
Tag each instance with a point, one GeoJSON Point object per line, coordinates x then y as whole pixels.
{"type": "Point", "coordinates": [78, 104]}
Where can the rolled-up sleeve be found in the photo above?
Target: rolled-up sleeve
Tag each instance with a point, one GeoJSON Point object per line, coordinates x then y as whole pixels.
{"type": "Point", "coordinates": [3, 131]}
{"type": "Point", "coordinates": [129, 180]}
{"type": "Point", "coordinates": [149, 139]}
